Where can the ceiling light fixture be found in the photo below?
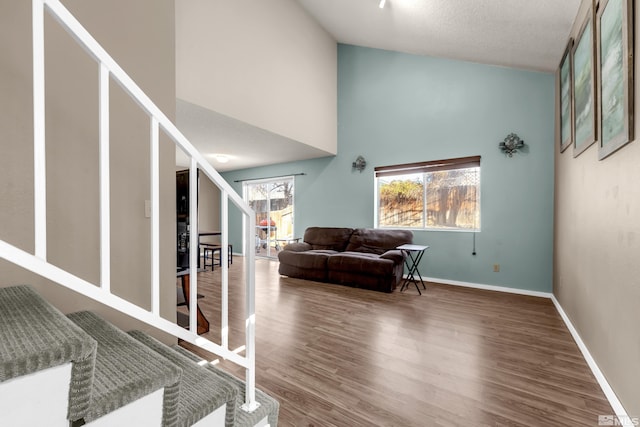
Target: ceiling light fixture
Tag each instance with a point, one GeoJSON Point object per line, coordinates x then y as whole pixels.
{"type": "Point", "coordinates": [381, 5]}
{"type": "Point", "coordinates": [221, 158]}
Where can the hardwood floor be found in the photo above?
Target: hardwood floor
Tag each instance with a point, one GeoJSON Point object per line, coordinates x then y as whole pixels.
{"type": "Point", "coordinates": [339, 356]}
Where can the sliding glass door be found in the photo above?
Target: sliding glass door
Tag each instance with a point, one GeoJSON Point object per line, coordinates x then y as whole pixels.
{"type": "Point", "coordinates": [272, 200]}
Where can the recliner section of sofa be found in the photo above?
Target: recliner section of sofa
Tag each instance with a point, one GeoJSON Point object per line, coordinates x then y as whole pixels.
{"type": "Point", "coordinates": [362, 257]}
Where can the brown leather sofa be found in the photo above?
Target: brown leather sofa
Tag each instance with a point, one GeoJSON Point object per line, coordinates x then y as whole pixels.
{"type": "Point", "coordinates": [362, 257]}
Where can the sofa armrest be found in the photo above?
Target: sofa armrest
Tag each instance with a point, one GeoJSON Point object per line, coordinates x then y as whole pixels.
{"type": "Point", "coordinates": [395, 255]}
{"type": "Point", "coordinates": [297, 247]}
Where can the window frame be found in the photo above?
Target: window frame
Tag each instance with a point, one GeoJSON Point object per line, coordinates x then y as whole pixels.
{"type": "Point", "coordinates": [424, 168]}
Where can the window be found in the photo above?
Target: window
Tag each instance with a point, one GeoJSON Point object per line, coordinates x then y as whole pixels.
{"type": "Point", "coordinates": [438, 195]}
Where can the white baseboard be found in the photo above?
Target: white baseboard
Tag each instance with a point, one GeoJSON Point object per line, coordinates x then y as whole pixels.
{"type": "Point", "coordinates": [616, 405]}
{"type": "Point", "coordinates": [489, 287]}
{"type": "Point", "coordinates": [620, 412]}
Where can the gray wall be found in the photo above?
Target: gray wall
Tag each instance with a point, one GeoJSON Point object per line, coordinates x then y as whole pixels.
{"type": "Point", "coordinates": [597, 247]}
{"type": "Point", "coordinates": [397, 108]}
{"type": "Point", "coordinates": [144, 46]}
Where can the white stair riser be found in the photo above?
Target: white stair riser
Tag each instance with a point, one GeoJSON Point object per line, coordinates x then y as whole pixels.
{"type": "Point", "coordinates": [38, 399]}
{"type": "Point", "coordinates": [214, 419]}
{"type": "Point", "coordinates": [263, 423]}
{"type": "Point", "coordinates": [144, 412]}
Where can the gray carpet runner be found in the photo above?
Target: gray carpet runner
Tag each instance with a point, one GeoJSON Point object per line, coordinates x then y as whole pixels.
{"type": "Point", "coordinates": [269, 407]}
{"type": "Point", "coordinates": [127, 370]}
{"type": "Point", "coordinates": [111, 368]}
{"type": "Point", "coordinates": [34, 335]}
{"type": "Point", "coordinates": [201, 391]}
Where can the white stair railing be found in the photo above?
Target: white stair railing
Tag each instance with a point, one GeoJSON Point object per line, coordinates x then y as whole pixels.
{"type": "Point", "coordinates": [37, 262]}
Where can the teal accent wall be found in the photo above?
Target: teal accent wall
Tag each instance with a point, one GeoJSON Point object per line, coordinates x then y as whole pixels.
{"type": "Point", "coordinates": [398, 108]}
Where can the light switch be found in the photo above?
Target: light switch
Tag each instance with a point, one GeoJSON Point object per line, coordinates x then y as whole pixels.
{"type": "Point", "coordinates": [147, 208]}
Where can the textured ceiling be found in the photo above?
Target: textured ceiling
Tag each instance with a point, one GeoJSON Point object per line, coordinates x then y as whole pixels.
{"type": "Point", "coordinates": [528, 34]}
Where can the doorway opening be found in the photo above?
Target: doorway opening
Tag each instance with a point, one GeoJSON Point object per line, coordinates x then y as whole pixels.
{"type": "Point", "coordinates": [272, 200]}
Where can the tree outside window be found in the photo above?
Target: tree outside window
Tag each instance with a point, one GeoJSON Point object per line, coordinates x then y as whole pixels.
{"type": "Point", "coordinates": [442, 195]}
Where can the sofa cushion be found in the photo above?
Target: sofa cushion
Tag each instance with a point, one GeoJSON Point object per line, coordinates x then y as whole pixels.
{"type": "Point", "coordinates": [394, 255]}
{"type": "Point", "coordinates": [313, 259]}
{"type": "Point", "coordinates": [332, 238]}
{"type": "Point", "coordinates": [360, 262]}
{"type": "Point", "coordinates": [309, 265]}
{"type": "Point", "coordinates": [358, 280]}
{"type": "Point", "coordinates": [298, 247]}
{"type": "Point", "coordinates": [377, 241]}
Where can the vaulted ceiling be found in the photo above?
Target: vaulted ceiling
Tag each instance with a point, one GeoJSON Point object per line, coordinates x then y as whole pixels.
{"type": "Point", "coordinates": [525, 34]}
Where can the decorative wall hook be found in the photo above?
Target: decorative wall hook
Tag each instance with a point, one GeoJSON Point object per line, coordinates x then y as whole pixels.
{"type": "Point", "coordinates": [511, 144]}
{"type": "Point", "coordinates": [359, 164]}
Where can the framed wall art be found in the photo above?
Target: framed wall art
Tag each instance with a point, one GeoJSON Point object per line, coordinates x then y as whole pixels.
{"type": "Point", "coordinates": [566, 99]}
{"type": "Point", "coordinates": [584, 117]}
{"type": "Point", "coordinates": [614, 42]}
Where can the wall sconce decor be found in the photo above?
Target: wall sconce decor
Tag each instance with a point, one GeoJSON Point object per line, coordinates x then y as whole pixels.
{"type": "Point", "coordinates": [511, 144]}
{"type": "Point", "coordinates": [359, 164]}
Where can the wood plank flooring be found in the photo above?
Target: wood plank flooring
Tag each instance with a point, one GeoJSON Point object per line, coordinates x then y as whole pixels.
{"type": "Point", "coordinates": [339, 356]}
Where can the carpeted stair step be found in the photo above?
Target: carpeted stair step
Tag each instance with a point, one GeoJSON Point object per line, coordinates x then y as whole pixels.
{"type": "Point", "coordinates": [126, 370]}
{"type": "Point", "coordinates": [269, 407]}
{"type": "Point", "coordinates": [201, 391]}
{"type": "Point", "coordinates": [34, 336]}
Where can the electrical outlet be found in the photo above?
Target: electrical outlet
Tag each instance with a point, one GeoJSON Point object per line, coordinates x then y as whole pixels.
{"type": "Point", "coordinates": [496, 268]}
{"type": "Point", "coordinates": [147, 208]}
